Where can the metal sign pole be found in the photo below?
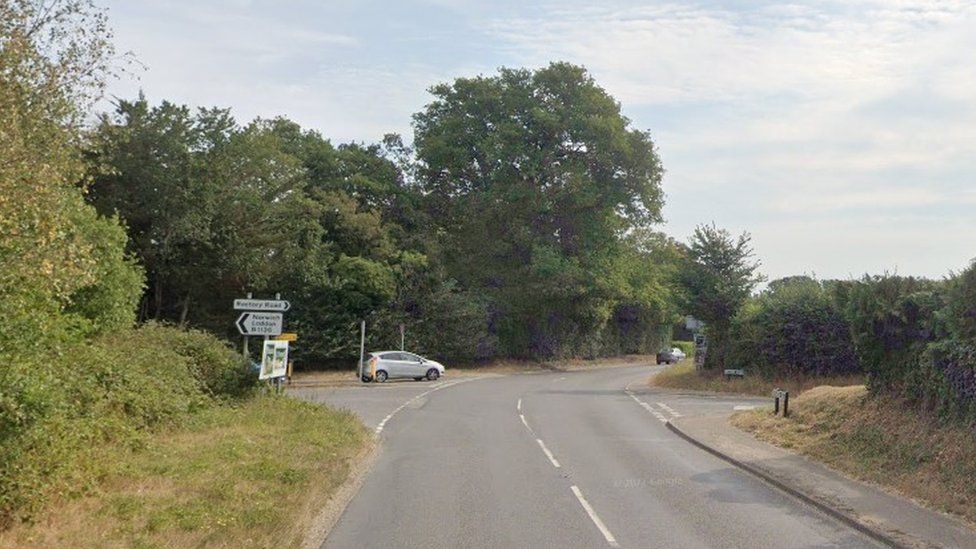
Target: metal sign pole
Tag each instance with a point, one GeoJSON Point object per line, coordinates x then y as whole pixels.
{"type": "Point", "coordinates": [362, 346]}
{"type": "Point", "coordinates": [245, 337]}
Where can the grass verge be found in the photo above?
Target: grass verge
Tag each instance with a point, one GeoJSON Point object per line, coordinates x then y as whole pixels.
{"type": "Point", "coordinates": [878, 439]}
{"type": "Point", "coordinates": [508, 366]}
{"type": "Point", "coordinates": [253, 474]}
{"type": "Point", "coordinates": [684, 376]}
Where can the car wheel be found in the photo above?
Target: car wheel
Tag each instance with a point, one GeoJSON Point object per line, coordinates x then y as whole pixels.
{"type": "Point", "coordinates": [659, 363]}
{"type": "Point", "coordinates": [433, 374]}
{"type": "Point", "coordinates": [381, 376]}
{"type": "Point", "coordinates": [366, 379]}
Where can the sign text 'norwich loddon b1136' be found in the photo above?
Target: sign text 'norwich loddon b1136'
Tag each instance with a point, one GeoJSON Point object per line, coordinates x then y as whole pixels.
{"type": "Point", "coordinates": [259, 324]}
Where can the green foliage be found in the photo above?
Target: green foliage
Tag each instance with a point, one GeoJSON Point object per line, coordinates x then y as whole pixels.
{"type": "Point", "coordinates": [59, 408]}
{"type": "Point", "coordinates": [793, 328]}
{"type": "Point", "coordinates": [718, 275]}
{"type": "Point", "coordinates": [915, 338]}
{"type": "Point", "coordinates": [687, 347]}
{"type": "Point", "coordinates": [530, 181]}
{"type": "Point", "coordinates": [62, 268]}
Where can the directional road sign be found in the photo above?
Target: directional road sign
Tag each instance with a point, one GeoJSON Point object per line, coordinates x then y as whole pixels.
{"type": "Point", "coordinates": [279, 305]}
{"type": "Point", "coordinates": [259, 324]}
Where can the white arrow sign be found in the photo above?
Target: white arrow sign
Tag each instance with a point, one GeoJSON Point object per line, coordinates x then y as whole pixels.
{"type": "Point", "coordinates": [259, 324]}
{"type": "Point", "coordinates": [261, 305]}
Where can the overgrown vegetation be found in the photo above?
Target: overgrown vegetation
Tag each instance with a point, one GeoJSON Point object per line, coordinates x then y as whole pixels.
{"type": "Point", "coordinates": [913, 338]}
{"type": "Point", "coordinates": [257, 473]}
{"type": "Point", "coordinates": [793, 328]}
{"type": "Point", "coordinates": [881, 439]}
{"type": "Point", "coordinates": [684, 376]}
{"type": "Point", "coordinates": [62, 410]}
{"type": "Point", "coordinates": [79, 383]}
{"type": "Point", "coordinates": [917, 339]}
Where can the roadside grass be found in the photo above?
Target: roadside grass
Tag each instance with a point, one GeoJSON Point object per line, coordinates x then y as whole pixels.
{"type": "Point", "coordinates": [507, 366]}
{"type": "Point", "coordinates": [254, 474]}
{"type": "Point", "coordinates": [684, 376]}
{"type": "Point", "coordinates": [878, 439]}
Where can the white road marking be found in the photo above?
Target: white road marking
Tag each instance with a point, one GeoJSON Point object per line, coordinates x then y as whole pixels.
{"type": "Point", "coordinates": [647, 407]}
{"type": "Point", "coordinates": [526, 423]}
{"type": "Point", "coordinates": [549, 455]}
{"type": "Point", "coordinates": [379, 428]}
{"type": "Point", "coordinates": [519, 407]}
{"type": "Point", "coordinates": [593, 516]}
{"type": "Point", "coordinates": [668, 409]}
{"type": "Point", "coordinates": [744, 407]}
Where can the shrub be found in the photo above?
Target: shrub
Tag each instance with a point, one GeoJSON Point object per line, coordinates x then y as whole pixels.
{"type": "Point", "coordinates": [917, 338]}
{"type": "Point", "coordinates": [794, 326]}
{"type": "Point", "coordinates": [687, 347]}
{"type": "Point", "coordinates": [57, 410]}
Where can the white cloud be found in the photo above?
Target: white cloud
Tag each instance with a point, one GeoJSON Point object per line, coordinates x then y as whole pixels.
{"type": "Point", "coordinates": [811, 124]}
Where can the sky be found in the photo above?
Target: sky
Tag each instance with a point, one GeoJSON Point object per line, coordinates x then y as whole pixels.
{"type": "Point", "coordinates": [840, 134]}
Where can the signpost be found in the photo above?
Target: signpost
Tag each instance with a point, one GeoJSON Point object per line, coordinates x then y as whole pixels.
{"type": "Point", "coordinates": [279, 305]}
{"type": "Point", "coordinates": [259, 324]}
{"type": "Point", "coordinates": [263, 317]}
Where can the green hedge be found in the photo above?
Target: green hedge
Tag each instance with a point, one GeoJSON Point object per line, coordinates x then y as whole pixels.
{"type": "Point", "coordinates": [687, 347]}
{"type": "Point", "coordinates": [793, 327]}
{"type": "Point", "coordinates": [917, 338]}
{"type": "Point", "coordinates": [59, 409]}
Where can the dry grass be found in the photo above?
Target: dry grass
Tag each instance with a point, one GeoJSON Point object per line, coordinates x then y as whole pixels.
{"type": "Point", "coordinates": [684, 376]}
{"type": "Point", "coordinates": [348, 377]}
{"type": "Point", "coordinates": [880, 440]}
{"type": "Point", "coordinates": [241, 476]}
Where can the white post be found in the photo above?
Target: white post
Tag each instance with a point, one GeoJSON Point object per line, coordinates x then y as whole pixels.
{"type": "Point", "coordinates": [401, 338]}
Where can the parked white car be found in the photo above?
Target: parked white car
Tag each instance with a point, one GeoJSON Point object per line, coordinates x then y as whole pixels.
{"type": "Point", "coordinates": [673, 356]}
{"type": "Point", "coordinates": [384, 365]}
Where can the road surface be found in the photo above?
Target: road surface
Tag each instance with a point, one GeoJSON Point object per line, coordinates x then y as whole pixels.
{"type": "Point", "coordinates": [576, 459]}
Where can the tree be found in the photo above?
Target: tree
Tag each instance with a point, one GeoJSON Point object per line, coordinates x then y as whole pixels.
{"type": "Point", "coordinates": [57, 258]}
{"type": "Point", "coordinates": [718, 275]}
{"type": "Point", "coordinates": [531, 179]}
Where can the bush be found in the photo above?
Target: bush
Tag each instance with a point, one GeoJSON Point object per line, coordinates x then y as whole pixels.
{"type": "Point", "coordinates": [793, 327]}
{"type": "Point", "coordinates": [687, 347]}
{"type": "Point", "coordinates": [59, 409]}
{"type": "Point", "coordinates": [917, 338]}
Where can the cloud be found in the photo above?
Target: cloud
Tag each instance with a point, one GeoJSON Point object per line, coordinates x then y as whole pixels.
{"type": "Point", "coordinates": [811, 124]}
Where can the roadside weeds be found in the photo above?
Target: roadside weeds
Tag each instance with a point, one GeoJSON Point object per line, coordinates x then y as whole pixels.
{"type": "Point", "coordinates": [880, 440]}
{"type": "Point", "coordinates": [255, 474]}
{"type": "Point", "coordinates": [684, 376]}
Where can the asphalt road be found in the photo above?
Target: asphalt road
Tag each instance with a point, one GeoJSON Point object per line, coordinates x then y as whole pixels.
{"type": "Point", "coordinates": [579, 459]}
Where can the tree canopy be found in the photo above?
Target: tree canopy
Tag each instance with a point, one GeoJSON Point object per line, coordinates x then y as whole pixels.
{"type": "Point", "coordinates": [533, 180]}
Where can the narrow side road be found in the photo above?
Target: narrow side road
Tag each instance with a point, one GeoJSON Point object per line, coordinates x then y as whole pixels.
{"type": "Point", "coordinates": [579, 459]}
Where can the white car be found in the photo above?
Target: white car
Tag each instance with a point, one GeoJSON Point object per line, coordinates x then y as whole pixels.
{"type": "Point", "coordinates": [384, 365]}
{"type": "Point", "coordinates": [673, 356]}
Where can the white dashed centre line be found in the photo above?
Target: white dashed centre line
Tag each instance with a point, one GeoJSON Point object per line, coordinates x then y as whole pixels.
{"type": "Point", "coordinates": [379, 428]}
{"type": "Point", "coordinates": [593, 516]}
{"type": "Point", "coordinates": [546, 451]}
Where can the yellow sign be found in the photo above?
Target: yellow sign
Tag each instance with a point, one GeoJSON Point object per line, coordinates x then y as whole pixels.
{"type": "Point", "coordinates": [287, 337]}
